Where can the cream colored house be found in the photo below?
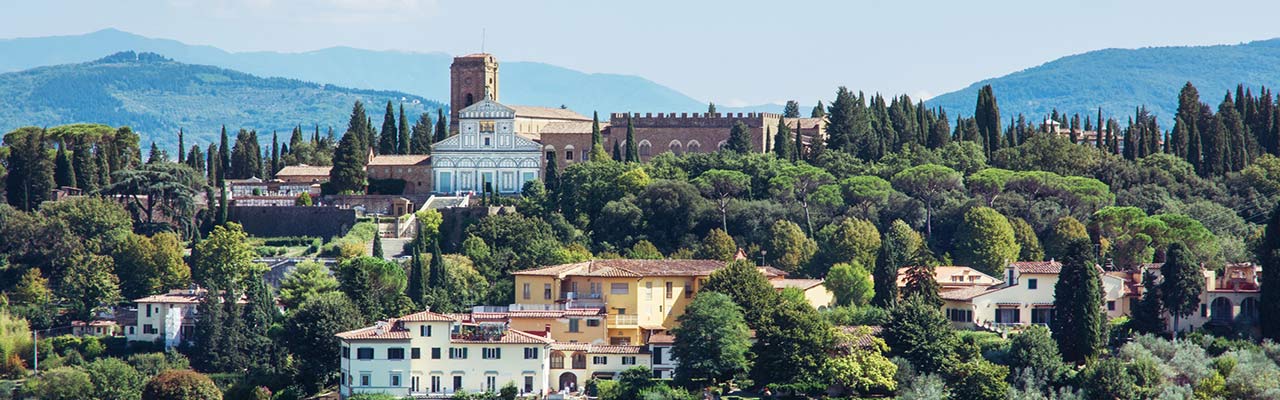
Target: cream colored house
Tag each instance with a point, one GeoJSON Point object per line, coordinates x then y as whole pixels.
{"type": "Point", "coordinates": [169, 318]}
{"type": "Point", "coordinates": [814, 291]}
{"type": "Point", "coordinates": [953, 277]}
{"type": "Point", "coordinates": [434, 355]}
{"type": "Point", "coordinates": [640, 297]}
{"type": "Point", "coordinates": [1025, 297]}
{"type": "Point", "coordinates": [572, 364]}
{"type": "Point", "coordinates": [1229, 300]}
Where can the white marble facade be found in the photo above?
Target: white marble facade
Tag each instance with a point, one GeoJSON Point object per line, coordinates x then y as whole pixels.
{"type": "Point", "coordinates": [486, 149]}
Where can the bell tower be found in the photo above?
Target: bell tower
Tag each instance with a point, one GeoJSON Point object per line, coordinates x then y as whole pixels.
{"type": "Point", "coordinates": [470, 77]}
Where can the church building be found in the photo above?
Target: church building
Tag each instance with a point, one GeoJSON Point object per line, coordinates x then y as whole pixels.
{"type": "Point", "coordinates": [486, 150]}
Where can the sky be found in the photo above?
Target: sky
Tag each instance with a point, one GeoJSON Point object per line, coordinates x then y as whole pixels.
{"type": "Point", "coordinates": [734, 53]}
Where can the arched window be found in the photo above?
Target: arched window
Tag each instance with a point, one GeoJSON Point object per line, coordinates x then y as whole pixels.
{"type": "Point", "coordinates": [568, 152]}
{"type": "Point", "coordinates": [675, 147]}
{"type": "Point", "coordinates": [721, 145]}
{"type": "Point", "coordinates": [645, 148]}
{"type": "Point", "coordinates": [470, 99]}
{"type": "Point", "coordinates": [557, 360]}
{"type": "Point", "coordinates": [1249, 309]}
{"type": "Point", "coordinates": [693, 146]}
{"type": "Point", "coordinates": [1220, 310]}
{"type": "Point", "coordinates": [551, 151]}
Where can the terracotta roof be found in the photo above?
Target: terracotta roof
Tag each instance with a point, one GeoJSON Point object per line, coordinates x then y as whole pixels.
{"type": "Point", "coordinates": [181, 296]}
{"type": "Point", "coordinates": [303, 170]}
{"type": "Point", "coordinates": [1037, 267]}
{"type": "Point", "coordinates": [662, 338]}
{"type": "Point", "coordinates": [968, 293]}
{"type": "Point", "coordinates": [597, 348]}
{"type": "Point", "coordinates": [426, 316]}
{"type": "Point", "coordinates": [570, 127]}
{"type": "Point", "coordinates": [549, 113]}
{"type": "Point", "coordinates": [639, 268]}
{"type": "Point", "coordinates": [400, 159]}
{"type": "Point", "coordinates": [511, 336]}
{"type": "Point", "coordinates": [389, 331]}
{"type": "Point", "coordinates": [943, 274]}
{"type": "Point", "coordinates": [803, 284]}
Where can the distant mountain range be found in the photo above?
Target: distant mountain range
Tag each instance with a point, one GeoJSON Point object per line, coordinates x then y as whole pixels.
{"type": "Point", "coordinates": [1119, 80]}
{"type": "Point", "coordinates": [422, 74]}
{"type": "Point", "coordinates": [156, 96]}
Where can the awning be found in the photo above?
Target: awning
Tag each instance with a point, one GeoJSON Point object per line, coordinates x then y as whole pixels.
{"type": "Point", "coordinates": [1014, 305]}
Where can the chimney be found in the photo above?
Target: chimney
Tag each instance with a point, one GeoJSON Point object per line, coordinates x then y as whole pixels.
{"type": "Point", "coordinates": [1010, 274]}
{"type": "Point", "coordinates": [546, 331]}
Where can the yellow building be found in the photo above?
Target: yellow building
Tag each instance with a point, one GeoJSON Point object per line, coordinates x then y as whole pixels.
{"type": "Point", "coordinates": [815, 292]}
{"type": "Point", "coordinates": [581, 325]}
{"type": "Point", "coordinates": [639, 297]}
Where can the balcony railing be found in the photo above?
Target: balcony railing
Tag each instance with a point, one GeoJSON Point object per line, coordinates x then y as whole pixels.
{"type": "Point", "coordinates": [621, 320]}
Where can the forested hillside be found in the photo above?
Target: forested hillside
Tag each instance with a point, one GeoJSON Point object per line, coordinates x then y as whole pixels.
{"type": "Point", "coordinates": [1120, 80]}
{"type": "Point", "coordinates": [157, 96]}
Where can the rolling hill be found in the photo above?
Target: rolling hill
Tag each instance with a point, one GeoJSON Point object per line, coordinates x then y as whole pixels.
{"type": "Point", "coordinates": [157, 96]}
{"type": "Point", "coordinates": [1119, 80]}
{"type": "Point", "coordinates": [423, 74]}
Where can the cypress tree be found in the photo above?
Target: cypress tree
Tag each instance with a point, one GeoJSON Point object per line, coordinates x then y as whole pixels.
{"type": "Point", "coordinates": [818, 111]}
{"type": "Point", "coordinates": [1078, 320]}
{"type": "Point", "coordinates": [181, 148]}
{"type": "Point", "coordinates": [840, 126]}
{"type": "Point", "coordinates": [211, 163]}
{"type": "Point", "coordinates": [438, 274]}
{"type": "Point", "coordinates": [348, 173]}
{"type": "Point", "coordinates": [617, 151]}
{"type": "Point", "coordinates": [797, 151]}
{"type": "Point", "coordinates": [423, 136]}
{"type": "Point", "coordinates": [416, 290]}
{"type": "Point", "coordinates": [633, 152]}
{"type": "Point", "coordinates": [30, 177]}
{"type": "Point", "coordinates": [402, 142]}
{"type": "Point", "coordinates": [195, 159]}
{"type": "Point", "coordinates": [1183, 282]}
{"type": "Point", "coordinates": [315, 136]}
{"type": "Point", "coordinates": [83, 164]}
{"type": "Point", "coordinates": [387, 143]}
{"type": "Point", "coordinates": [64, 174]}
{"type": "Point", "coordinates": [791, 110]}
{"type": "Point", "coordinates": [1268, 253]}
{"type": "Point", "coordinates": [987, 116]}
{"type": "Point", "coordinates": [275, 156]}
{"type": "Point", "coordinates": [101, 167]}
{"type": "Point", "coordinates": [442, 127]}
{"type": "Point", "coordinates": [552, 175]}
{"type": "Point", "coordinates": [377, 246]}
{"type": "Point", "coordinates": [711, 108]}
{"type": "Point", "coordinates": [596, 139]}
{"type": "Point", "coordinates": [222, 205]}
{"type": "Point", "coordinates": [782, 139]}
{"type": "Point", "coordinates": [739, 139]}
{"type": "Point", "coordinates": [224, 158]}
{"type": "Point", "coordinates": [295, 139]}
{"type": "Point", "coordinates": [1097, 135]}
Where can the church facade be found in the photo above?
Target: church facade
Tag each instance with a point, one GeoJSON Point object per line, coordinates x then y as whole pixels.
{"type": "Point", "coordinates": [486, 150]}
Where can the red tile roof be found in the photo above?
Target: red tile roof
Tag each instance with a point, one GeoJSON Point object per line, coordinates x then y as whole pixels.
{"type": "Point", "coordinates": [638, 268]}
{"type": "Point", "coordinates": [803, 284]}
{"type": "Point", "coordinates": [426, 316]}
{"type": "Point", "coordinates": [968, 293]}
{"type": "Point", "coordinates": [400, 159]}
{"type": "Point", "coordinates": [303, 170]}
{"type": "Point", "coordinates": [597, 348]}
{"type": "Point", "coordinates": [662, 338]}
{"type": "Point", "coordinates": [388, 332]}
{"type": "Point", "coordinates": [511, 336]}
{"type": "Point", "coordinates": [1037, 267]}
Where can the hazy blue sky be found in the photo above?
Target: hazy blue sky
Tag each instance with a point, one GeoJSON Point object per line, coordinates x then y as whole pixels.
{"type": "Point", "coordinates": [731, 52]}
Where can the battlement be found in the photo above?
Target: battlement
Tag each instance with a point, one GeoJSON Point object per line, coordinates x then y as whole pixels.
{"type": "Point", "coordinates": [751, 119]}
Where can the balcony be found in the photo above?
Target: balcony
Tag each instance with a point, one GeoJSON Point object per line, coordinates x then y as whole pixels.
{"type": "Point", "coordinates": [624, 321]}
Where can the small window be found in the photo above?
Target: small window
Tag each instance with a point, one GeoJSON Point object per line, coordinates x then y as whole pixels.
{"type": "Point", "coordinates": [528, 384]}
{"type": "Point", "coordinates": [551, 155]}
{"type": "Point", "coordinates": [1032, 283]}
{"type": "Point", "coordinates": [364, 379]}
{"type": "Point", "coordinates": [491, 353]}
{"type": "Point", "coordinates": [395, 379]}
{"type": "Point", "coordinates": [415, 353]}
{"type": "Point", "coordinates": [457, 383]}
{"type": "Point", "coordinates": [593, 322]}
{"type": "Point", "coordinates": [346, 352]}
{"type": "Point", "coordinates": [364, 353]}
{"type": "Point", "coordinates": [424, 330]}
{"type": "Point", "coordinates": [486, 141]}
{"type": "Point", "coordinates": [435, 353]}
{"type": "Point", "coordinates": [1111, 305]}
{"type": "Point", "coordinates": [573, 324]}
{"type": "Point", "coordinates": [599, 360]}
{"type": "Point", "coordinates": [546, 291]}
{"type": "Point", "coordinates": [628, 360]}
{"type": "Point", "coordinates": [395, 353]}
{"type": "Point", "coordinates": [619, 288]}
{"type": "Point", "coordinates": [648, 290]}
{"type": "Point", "coordinates": [670, 292]}
{"type": "Point", "coordinates": [530, 353]}
{"type": "Point", "coordinates": [568, 155]}
{"type": "Point", "coordinates": [526, 291]}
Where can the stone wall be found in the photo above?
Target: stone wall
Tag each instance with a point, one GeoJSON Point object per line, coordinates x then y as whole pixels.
{"type": "Point", "coordinates": [469, 75]}
{"type": "Point", "coordinates": [293, 220]}
{"type": "Point", "coordinates": [691, 132]}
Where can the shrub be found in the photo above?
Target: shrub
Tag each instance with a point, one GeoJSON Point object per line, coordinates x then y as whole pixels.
{"type": "Point", "coordinates": [113, 379]}
{"type": "Point", "coordinates": [181, 385]}
{"type": "Point", "coordinates": [63, 383]}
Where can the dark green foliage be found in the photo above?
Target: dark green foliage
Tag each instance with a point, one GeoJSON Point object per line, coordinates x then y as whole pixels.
{"type": "Point", "coordinates": [442, 127]}
{"type": "Point", "coordinates": [377, 246]}
{"type": "Point", "coordinates": [1034, 350]}
{"type": "Point", "coordinates": [918, 332]}
{"type": "Point", "coordinates": [1182, 283]}
{"type": "Point", "coordinates": [1268, 253]}
{"type": "Point", "coordinates": [713, 339]}
{"type": "Point", "coordinates": [375, 285]}
{"type": "Point", "coordinates": [402, 142]}
{"type": "Point", "coordinates": [739, 139]}
{"type": "Point", "coordinates": [899, 245]}
{"type": "Point", "coordinates": [388, 141]}
{"type": "Point", "coordinates": [64, 174]}
{"type": "Point", "coordinates": [978, 379]}
{"type": "Point", "coordinates": [246, 156]}
{"type": "Point", "coordinates": [423, 136]}
{"type": "Point", "coordinates": [416, 289]}
{"type": "Point", "coordinates": [792, 346]}
{"type": "Point", "coordinates": [348, 173]}
{"type": "Point", "coordinates": [921, 282]}
{"type": "Point", "coordinates": [1078, 320]}
{"type": "Point", "coordinates": [30, 177]}
{"type": "Point", "coordinates": [1148, 312]}
{"type": "Point", "coordinates": [633, 152]}
{"type": "Point", "coordinates": [1109, 379]}
{"type": "Point", "coordinates": [791, 110]}
{"type": "Point", "coordinates": [308, 333]}
{"type": "Point", "coordinates": [987, 117]}
{"type": "Point", "coordinates": [783, 146]}
{"type": "Point", "coordinates": [748, 288]}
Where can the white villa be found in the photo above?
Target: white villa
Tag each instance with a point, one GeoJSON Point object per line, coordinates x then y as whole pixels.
{"type": "Point", "coordinates": [1024, 297]}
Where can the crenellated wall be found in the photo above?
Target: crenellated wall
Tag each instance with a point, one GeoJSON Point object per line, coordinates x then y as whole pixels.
{"type": "Point", "coordinates": [691, 132]}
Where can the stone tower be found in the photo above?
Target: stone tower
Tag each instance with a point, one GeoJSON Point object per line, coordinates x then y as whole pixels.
{"type": "Point", "coordinates": [470, 76]}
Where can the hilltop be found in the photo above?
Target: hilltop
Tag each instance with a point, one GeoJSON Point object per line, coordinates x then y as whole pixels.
{"type": "Point", "coordinates": [1119, 80]}
{"type": "Point", "coordinates": [156, 96]}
